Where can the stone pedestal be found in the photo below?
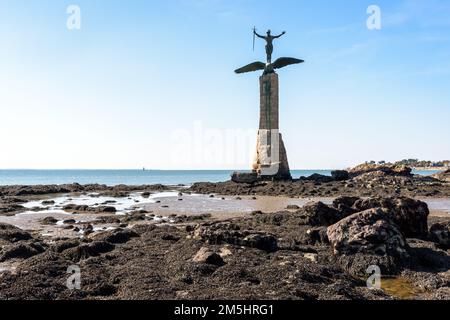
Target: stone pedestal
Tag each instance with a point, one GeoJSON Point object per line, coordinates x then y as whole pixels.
{"type": "Point", "coordinates": [271, 160]}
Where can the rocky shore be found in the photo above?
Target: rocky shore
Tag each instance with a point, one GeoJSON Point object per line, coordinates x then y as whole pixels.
{"type": "Point", "coordinates": [20, 190]}
{"type": "Point", "coordinates": [366, 180]}
{"type": "Point", "coordinates": [318, 251]}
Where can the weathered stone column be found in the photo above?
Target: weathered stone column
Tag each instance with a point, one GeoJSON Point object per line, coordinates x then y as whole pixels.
{"type": "Point", "coordinates": [271, 158]}
{"type": "Point", "coordinates": [268, 97]}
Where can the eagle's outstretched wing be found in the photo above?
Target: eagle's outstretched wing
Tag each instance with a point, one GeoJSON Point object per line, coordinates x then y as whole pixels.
{"type": "Point", "coordinates": [255, 66]}
{"type": "Point", "coordinates": [283, 62]}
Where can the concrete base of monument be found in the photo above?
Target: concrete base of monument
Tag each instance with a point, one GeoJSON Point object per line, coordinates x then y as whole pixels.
{"type": "Point", "coordinates": [274, 168]}
{"type": "Point", "coordinates": [267, 166]}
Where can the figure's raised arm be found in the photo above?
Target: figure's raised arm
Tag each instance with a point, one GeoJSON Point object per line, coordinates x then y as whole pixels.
{"type": "Point", "coordinates": [258, 35]}
{"type": "Point", "coordinates": [280, 35]}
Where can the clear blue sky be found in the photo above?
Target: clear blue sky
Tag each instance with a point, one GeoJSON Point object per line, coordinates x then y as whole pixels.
{"type": "Point", "coordinates": [140, 74]}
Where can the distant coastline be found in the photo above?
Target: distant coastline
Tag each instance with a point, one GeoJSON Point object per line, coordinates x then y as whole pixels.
{"type": "Point", "coordinates": [431, 168]}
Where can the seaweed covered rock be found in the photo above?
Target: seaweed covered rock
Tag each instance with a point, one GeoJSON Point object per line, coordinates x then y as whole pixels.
{"type": "Point", "coordinates": [49, 221]}
{"type": "Point", "coordinates": [344, 205]}
{"type": "Point", "coordinates": [11, 234]}
{"type": "Point", "coordinates": [340, 175]}
{"type": "Point", "coordinates": [116, 236]}
{"type": "Point", "coordinates": [319, 214]}
{"type": "Point", "coordinates": [75, 208]}
{"type": "Point", "coordinates": [314, 236]}
{"type": "Point", "coordinates": [440, 233]}
{"type": "Point", "coordinates": [316, 177]}
{"type": "Point", "coordinates": [229, 233]}
{"type": "Point", "coordinates": [21, 250]}
{"type": "Point", "coordinates": [85, 251]}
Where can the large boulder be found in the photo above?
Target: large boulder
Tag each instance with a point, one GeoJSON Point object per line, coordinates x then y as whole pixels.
{"type": "Point", "coordinates": [370, 231]}
{"type": "Point", "coordinates": [440, 233]}
{"type": "Point", "coordinates": [368, 238]}
{"type": "Point", "coordinates": [410, 215]}
{"type": "Point", "coordinates": [319, 214]}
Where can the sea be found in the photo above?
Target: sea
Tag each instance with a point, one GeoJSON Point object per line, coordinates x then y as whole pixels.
{"type": "Point", "coordinates": [132, 177]}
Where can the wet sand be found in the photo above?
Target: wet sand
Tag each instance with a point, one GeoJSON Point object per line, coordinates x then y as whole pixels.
{"type": "Point", "coordinates": [224, 207]}
{"type": "Point", "coordinates": [163, 205]}
{"type": "Point", "coordinates": [439, 207]}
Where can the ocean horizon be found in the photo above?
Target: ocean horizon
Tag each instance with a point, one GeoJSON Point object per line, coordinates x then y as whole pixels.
{"type": "Point", "coordinates": [133, 177]}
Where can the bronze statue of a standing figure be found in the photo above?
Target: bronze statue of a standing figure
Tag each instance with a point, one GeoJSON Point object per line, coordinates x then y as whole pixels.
{"type": "Point", "coordinates": [268, 67]}
{"type": "Point", "coordinates": [269, 46]}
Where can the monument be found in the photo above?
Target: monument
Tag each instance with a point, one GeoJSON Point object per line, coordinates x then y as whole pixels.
{"type": "Point", "coordinates": [271, 162]}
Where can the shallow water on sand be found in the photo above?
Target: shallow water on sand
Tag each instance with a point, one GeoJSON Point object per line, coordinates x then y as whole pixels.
{"type": "Point", "coordinates": [30, 220]}
{"type": "Point", "coordinates": [122, 204]}
{"type": "Point", "coordinates": [161, 206]}
{"type": "Point", "coordinates": [440, 205]}
{"type": "Point", "coordinates": [400, 288]}
{"type": "Point", "coordinates": [225, 206]}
